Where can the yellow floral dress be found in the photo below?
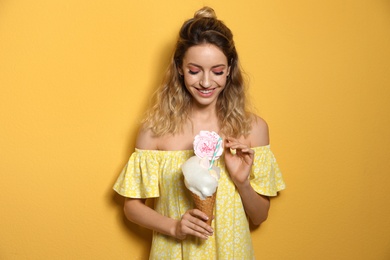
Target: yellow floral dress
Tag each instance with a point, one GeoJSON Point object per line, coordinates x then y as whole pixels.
{"type": "Point", "coordinates": [157, 174]}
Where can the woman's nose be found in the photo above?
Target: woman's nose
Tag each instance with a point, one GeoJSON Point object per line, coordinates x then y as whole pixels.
{"type": "Point", "coordinates": [205, 82]}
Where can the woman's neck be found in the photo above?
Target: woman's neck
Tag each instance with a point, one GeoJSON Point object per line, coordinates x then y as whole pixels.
{"type": "Point", "coordinates": [203, 112]}
{"type": "Point", "coordinates": [204, 119]}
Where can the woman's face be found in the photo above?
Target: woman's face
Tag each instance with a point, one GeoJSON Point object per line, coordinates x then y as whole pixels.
{"type": "Point", "coordinates": [205, 70]}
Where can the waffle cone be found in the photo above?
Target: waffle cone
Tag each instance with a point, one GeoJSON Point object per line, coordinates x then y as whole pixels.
{"type": "Point", "coordinates": [206, 205]}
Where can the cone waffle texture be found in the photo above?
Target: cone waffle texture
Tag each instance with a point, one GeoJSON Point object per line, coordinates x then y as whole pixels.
{"type": "Point", "coordinates": [206, 205]}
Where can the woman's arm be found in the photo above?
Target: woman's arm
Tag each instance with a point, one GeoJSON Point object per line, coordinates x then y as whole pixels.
{"type": "Point", "coordinates": [136, 211]}
{"type": "Point", "coordinates": [190, 224]}
{"type": "Point", "coordinates": [239, 167]}
{"type": "Point", "coordinates": [256, 206]}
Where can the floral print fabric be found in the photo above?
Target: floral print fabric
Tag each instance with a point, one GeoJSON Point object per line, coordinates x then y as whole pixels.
{"type": "Point", "coordinates": [157, 174]}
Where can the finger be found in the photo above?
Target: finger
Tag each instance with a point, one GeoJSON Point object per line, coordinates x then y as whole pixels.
{"type": "Point", "coordinates": [200, 219]}
{"type": "Point", "coordinates": [242, 151]}
{"type": "Point", "coordinates": [231, 139]}
{"type": "Point", "coordinates": [202, 227]}
{"type": "Point", "coordinates": [230, 142]}
{"type": "Point", "coordinates": [238, 146]}
{"type": "Point", "coordinates": [247, 151]}
{"type": "Point", "coordinates": [196, 227]}
{"type": "Point", "coordinates": [234, 143]}
{"type": "Point", "coordinates": [199, 214]}
{"type": "Point", "coordinates": [188, 228]}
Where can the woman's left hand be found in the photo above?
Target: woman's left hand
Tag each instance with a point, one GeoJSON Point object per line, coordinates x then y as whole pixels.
{"type": "Point", "coordinates": [238, 164]}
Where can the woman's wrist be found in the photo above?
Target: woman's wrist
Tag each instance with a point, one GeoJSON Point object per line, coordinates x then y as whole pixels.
{"type": "Point", "coordinates": [242, 185]}
{"type": "Point", "coordinates": [173, 228]}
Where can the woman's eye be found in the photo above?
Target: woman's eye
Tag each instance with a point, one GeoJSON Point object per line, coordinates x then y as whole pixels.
{"type": "Point", "coordinates": [218, 73]}
{"type": "Point", "coordinates": [193, 72]}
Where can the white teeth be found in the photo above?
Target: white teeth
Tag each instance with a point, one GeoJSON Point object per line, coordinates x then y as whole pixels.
{"type": "Point", "coordinates": [205, 91]}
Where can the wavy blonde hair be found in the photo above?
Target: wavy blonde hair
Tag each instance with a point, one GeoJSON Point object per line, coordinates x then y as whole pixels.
{"type": "Point", "coordinates": [172, 101]}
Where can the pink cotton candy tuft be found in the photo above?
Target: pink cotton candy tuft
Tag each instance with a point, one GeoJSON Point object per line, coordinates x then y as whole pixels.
{"type": "Point", "coordinates": [205, 144]}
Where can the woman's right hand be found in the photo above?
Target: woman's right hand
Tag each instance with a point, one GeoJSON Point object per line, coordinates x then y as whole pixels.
{"type": "Point", "coordinates": [193, 223]}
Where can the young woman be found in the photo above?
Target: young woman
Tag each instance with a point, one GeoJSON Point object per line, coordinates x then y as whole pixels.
{"type": "Point", "coordinates": [203, 90]}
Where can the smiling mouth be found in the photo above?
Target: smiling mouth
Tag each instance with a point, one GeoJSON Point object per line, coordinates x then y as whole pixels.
{"type": "Point", "coordinates": [206, 91]}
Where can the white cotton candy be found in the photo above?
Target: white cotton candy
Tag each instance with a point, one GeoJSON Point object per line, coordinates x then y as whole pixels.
{"type": "Point", "coordinates": [198, 178]}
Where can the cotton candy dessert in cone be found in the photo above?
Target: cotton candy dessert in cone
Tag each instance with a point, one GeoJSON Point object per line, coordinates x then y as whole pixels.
{"type": "Point", "coordinates": [202, 183]}
{"type": "Point", "coordinates": [200, 175]}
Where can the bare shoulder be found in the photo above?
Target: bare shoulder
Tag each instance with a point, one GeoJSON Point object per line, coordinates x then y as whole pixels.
{"type": "Point", "coordinates": [146, 140]}
{"type": "Point", "coordinates": [259, 136]}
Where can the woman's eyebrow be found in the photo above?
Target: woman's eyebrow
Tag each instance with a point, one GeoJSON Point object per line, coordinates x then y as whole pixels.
{"type": "Point", "coordinates": [213, 67]}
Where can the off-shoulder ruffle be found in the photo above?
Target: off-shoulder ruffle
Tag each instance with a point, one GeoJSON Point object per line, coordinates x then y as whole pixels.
{"type": "Point", "coordinates": [139, 178]}
{"type": "Point", "coordinates": [141, 175]}
{"type": "Point", "coordinates": [266, 178]}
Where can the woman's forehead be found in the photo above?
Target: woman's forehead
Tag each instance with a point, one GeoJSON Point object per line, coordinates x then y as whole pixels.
{"type": "Point", "coordinates": [205, 54]}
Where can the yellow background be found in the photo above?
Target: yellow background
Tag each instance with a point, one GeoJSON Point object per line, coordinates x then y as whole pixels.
{"type": "Point", "coordinates": [75, 77]}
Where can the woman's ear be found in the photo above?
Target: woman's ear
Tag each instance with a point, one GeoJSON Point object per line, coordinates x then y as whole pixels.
{"type": "Point", "coordinates": [180, 71]}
